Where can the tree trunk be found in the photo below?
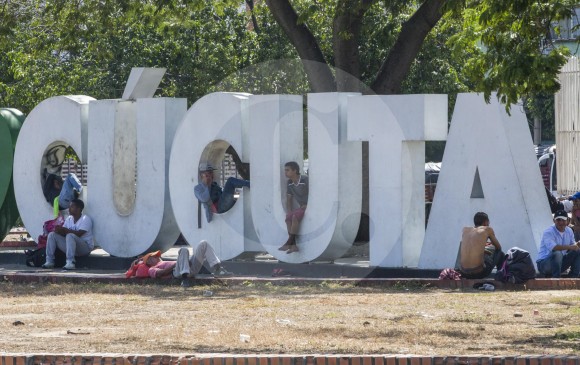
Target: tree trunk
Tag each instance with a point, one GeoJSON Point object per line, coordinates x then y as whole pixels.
{"type": "Point", "coordinates": [316, 67]}
{"type": "Point", "coordinates": [345, 31]}
{"type": "Point", "coordinates": [396, 66]}
{"type": "Point", "coordinates": [255, 26]}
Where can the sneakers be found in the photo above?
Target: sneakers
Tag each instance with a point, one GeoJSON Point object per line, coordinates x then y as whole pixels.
{"type": "Point", "coordinates": [221, 272]}
{"type": "Point", "coordinates": [69, 266]}
{"type": "Point", "coordinates": [48, 265]}
{"type": "Point", "coordinates": [185, 283]}
{"type": "Point", "coordinates": [487, 287]}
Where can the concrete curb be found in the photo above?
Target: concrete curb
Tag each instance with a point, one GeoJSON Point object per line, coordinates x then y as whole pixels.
{"type": "Point", "coordinates": [61, 276]}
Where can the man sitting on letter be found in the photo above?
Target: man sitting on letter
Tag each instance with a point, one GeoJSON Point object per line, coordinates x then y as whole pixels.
{"type": "Point", "coordinates": [211, 195]}
{"type": "Point", "coordinates": [296, 201]}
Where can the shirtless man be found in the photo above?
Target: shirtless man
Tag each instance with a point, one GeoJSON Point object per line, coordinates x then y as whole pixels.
{"type": "Point", "coordinates": [480, 250]}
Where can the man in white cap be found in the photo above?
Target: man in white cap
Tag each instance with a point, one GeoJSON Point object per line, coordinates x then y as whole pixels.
{"type": "Point", "coordinates": [558, 251]}
{"type": "Point", "coordinates": [213, 198]}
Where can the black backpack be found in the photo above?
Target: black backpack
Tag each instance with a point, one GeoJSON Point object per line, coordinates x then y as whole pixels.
{"type": "Point", "coordinates": [37, 258]}
{"type": "Point", "coordinates": [517, 267]}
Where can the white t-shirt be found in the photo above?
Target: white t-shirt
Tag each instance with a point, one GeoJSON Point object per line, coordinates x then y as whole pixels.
{"type": "Point", "coordinates": [83, 224]}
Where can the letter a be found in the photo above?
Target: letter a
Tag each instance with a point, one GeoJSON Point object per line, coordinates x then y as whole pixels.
{"type": "Point", "coordinates": [489, 165]}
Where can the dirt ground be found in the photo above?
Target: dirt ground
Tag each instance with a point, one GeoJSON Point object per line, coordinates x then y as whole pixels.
{"type": "Point", "coordinates": [264, 318]}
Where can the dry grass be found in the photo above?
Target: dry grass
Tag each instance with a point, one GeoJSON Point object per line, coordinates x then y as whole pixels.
{"type": "Point", "coordinates": [325, 318]}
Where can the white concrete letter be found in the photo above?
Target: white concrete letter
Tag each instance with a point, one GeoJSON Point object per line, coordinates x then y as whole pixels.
{"type": "Point", "coordinates": [57, 121]}
{"type": "Point", "coordinates": [396, 128]}
{"type": "Point", "coordinates": [489, 165]}
{"type": "Point", "coordinates": [129, 145]}
{"type": "Point", "coordinates": [333, 213]}
{"type": "Point", "coordinates": [210, 126]}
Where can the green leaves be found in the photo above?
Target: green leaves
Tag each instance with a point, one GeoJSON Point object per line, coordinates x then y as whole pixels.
{"type": "Point", "coordinates": [307, 13]}
{"type": "Point", "coordinates": [52, 47]}
{"type": "Point", "coordinates": [511, 34]}
{"type": "Point", "coordinates": [89, 47]}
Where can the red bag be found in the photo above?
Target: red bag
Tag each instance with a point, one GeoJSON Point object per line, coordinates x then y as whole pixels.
{"type": "Point", "coordinates": [41, 241]}
{"type": "Point", "coordinates": [50, 225]}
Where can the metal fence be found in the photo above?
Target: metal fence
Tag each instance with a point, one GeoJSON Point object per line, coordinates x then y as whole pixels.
{"type": "Point", "coordinates": [567, 111]}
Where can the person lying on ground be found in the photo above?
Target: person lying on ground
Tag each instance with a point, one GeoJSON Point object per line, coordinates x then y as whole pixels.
{"type": "Point", "coordinates": [185, 267]}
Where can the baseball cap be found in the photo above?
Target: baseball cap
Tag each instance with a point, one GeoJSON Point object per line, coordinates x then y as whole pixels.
{"type": "Point", "coordinates": [206, 167]}
{"type": "Point", "coordinates": [150, 254]}
{"type": "Point", "coordinates": [561, 214]}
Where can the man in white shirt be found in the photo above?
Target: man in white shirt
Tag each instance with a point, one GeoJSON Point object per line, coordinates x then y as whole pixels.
{"type": "Point", "coordinates": [75, 237]}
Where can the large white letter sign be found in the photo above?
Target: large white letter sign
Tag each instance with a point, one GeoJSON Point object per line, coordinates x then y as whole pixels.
{"type": "Point", "coordinates": [334, 204]}
{"type": "Point", "coordinates": [489, 165]}
{"type": "Point", "coordinates": [277, 122]}
{"type": "Point", "coordinates": [128, 140]}
{"type": "Point", "coordinates": [210, 126]}
{"type": "Point", "coordinates": [396, 128]}
{"type": "Point", "coordinates": [61, 120]}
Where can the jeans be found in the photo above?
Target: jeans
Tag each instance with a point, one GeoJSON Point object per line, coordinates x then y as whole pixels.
{"type": "Point", "coordinates": [227, 200]}
{"type": "Point", "coordinates": [490, 260]}
{"type": "Point", "coordinates": [72, 245]}
{"type": "Point", "coordinates": [558, 262]}
{"type": "Point", "coordinates": [67, 192]}
{"type": "Point", "coordinates": [190, 266]}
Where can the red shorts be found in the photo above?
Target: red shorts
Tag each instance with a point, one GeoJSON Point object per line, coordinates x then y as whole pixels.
{"type": "Point", "coordinates": [296, 213]}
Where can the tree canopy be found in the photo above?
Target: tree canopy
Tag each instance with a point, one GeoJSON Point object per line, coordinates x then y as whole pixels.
{"type": "Point", "coordinates": [505, 44]}
{"type": "Point", "coordinates": [53, 47]}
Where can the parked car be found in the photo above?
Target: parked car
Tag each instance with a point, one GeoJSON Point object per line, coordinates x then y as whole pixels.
{"type": "Point", "coordinates": [432, 170]}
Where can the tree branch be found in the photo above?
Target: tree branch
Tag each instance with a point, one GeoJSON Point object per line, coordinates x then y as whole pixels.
{"type": "Point", "coordinates": [316, 67]}
{"type": "Point", "coordinates": [250, 4]}
{"type": "Point", "coordinates": [405, 50]}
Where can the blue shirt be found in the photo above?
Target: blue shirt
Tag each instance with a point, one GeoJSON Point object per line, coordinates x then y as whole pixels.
{"type": "Point", "coordinates": [552, 238]}
{"type": "Point", "coordinates": [206, 196]}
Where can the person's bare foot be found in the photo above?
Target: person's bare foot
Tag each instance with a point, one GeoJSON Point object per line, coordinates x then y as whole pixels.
{"type": "Point", "coordinates": [293, 248]}
{"type": "Point", "coordinates": [285, 247]}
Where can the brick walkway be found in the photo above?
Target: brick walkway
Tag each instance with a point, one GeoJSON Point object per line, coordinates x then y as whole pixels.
{"type": "Point", "coordinates": [221, 359]}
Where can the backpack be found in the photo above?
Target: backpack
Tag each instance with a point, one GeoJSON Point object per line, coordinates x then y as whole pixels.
{"type": "Point", "coordinates": [517, 267]}
{"type": "Point", "coordinates": [48, 227]}
{"type": "Point", "coordinates": [37, 258]}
